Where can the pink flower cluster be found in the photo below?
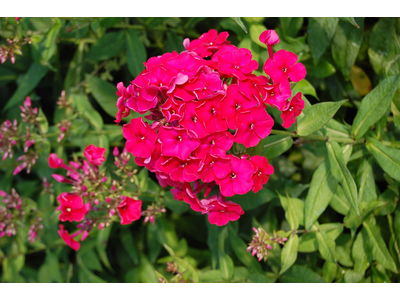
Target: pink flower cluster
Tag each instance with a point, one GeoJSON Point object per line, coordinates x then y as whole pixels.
{"type": "Point", "coordinates": [200, 103]}
{"type": "Point", "coordinates": [89, 188]}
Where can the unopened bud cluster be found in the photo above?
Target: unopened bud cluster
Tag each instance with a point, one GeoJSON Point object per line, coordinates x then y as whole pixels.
{"type": "Point", "coordinates": [262, 243]}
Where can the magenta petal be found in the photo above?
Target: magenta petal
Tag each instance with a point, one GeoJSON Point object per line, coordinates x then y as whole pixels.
{"type": "Point", "coordinates": [297, 72]}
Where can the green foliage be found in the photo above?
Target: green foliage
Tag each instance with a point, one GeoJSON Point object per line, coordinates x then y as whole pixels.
{"type": "Point", "coordinates": [333, 194]}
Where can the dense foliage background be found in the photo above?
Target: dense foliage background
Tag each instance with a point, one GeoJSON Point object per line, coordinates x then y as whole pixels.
{"type": "Point", "coordinates": [311, 196]}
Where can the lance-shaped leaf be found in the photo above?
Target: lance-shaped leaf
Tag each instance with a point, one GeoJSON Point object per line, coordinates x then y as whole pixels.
{"type": "Point", "coordinates": [290, 211]}
{"type": "Point", "coordinates": [374, 105]}
{"type": "Point", "coordinates": [322, 189]}
{"type": "Point", "coordinates": [361, 252]}
{"type": "Point", "coordinates": [49, 44]}
{"type": "Point", "coordinates": [350, 20]}
{"type": "Point", "coordinates": [326, 245]}
{"type": "Point", "coordinates": [300, 274]}
{"type": "Point", "coordinates": [275, 145]}
{"type": "Point", "coordinates": [379, 249]}
{"type": "Point", "coordinates": [342, 174]}
{"type": "Point", "coordinates": [317, 116]}
{"type": "Point", "coordinates": [238, 20]}
{"type": "Point", "coordinates": [345, 45]}
{"type": "Point", "coordinates": [352, 221]}
{"type": "Point", "coordinates": [366, 182]}
{"type": "Point", "coordinates": [329, 271]}
{"type": "Point", "coordinates": [339, 202]}
{"type": "Point", "coordinates": [135, 53]}
{"type": "Point", "coordinates": [109, 45]}
{"type": "Point", "coordinates": [387, 158]}
{"type": "Point", "coordinates": [320, 33]}
{"type": "Point", "coordinates": [308, 242]}
{"type": "Point", "coordinates": [225, 265]}
{"type": "Point", "coordinates": [289, 253]}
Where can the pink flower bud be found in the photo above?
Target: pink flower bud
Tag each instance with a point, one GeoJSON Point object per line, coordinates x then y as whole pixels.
{"type": "Point", "coordinates": [27, 101]}
{"type": "Point", "coordinates": [112, 212]}
{"type": "Point", "coordinates": [54, 161]}
{"type": "Point", "coordinates": [108, 200]}
{"type": "Point", "coordinates": [115, 151]}
{"type": "Point", "coordinates": [104, 179]}
{"type": "Point", "coordinates": [85, 234]}
{"type": "Point", "coordinates": [96, 202]}
{"type": "Point", "coordinates": [3, 193]}
{"type": "Point", "coordinates": [186, 43]}
{"type": "Point", "coordinates": [13, 142]}
{"type": "Point", "coordinates": [269, 38]}
{"type": "Point", "coordinates": [101, 226]}
{"type": "Point", "coordinates": [152, 219]}
{"type": "Point", "coordinates": [17, 170]}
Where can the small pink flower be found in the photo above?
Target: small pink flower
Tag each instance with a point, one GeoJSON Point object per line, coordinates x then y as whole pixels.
{"type": "Point", "coordinates": [292, 109]}
{"type": "Point", "coordinates": [95, 155]}
{"type": "Point", "coordinates": [284, 64]}
{"type": "Point", "coordinates": [130, 210]}
{"type": "Point", "coordinates": [68, 239]}
{"type": "Point", "coordinates": [262, 171]}
{"type": "Point", "coordinates": [72, 207]}
{"type": "Point", "coordinates": [141, 139]}
{"type": "Point", "coordinates": [178, 142]}
{"type": "Point", "coordinates": [208, 43]}
{"type": "Point", "coordinates": [221, 212]}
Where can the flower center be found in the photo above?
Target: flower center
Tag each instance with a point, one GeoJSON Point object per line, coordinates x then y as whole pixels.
{"type": "Point", "coordinates": [233, 175]}
{"type": "Point", "coordinates": [179, 138]}
{"type": "Point", "coordinates": [212, 142]}
{"type": "Point", "coordinates": [211, 44]}
{"type": "Point", "coordinates": [291, 108]}
{"type": "Point", "coordinates": [213, 111]}
{"type": "Point", "coordinates": [194, 119]}
{"type": "Point", "coordinates": [137, 94]}
{"type": "Point", "coordinates": [237, 106]}
{"type": "Point", "coordinates": [251, 126]}
{"type": "Point", "coordinates": [259, 174]}
{"type": "Point", "coordinates": [142, 138]}
{"type": "Point", "coordinates": [173, 111]}
{"type": "Point", "coordinates": [68, 209]}
{"type": "Point", "coordinates": [284, 70]}
{"type": "Point", "coordinates": [272, 94]}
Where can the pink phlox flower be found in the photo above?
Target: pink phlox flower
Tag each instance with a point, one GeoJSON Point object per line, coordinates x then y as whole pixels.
{"type": "Point", "coordinates": [179, 142]}
{"type": "Point", "coordinates": [238, 63]}
{"type": "Point", "coordinates": [284, 64]}
{"type": "Point", "coordinates": [210, 113]}
{"type": "Point", "coordinates": [221, 212]}
{"type": "Point", "coordinates": [185, 63]}
{"type": "Point", "coordinates": [292, 109]}
{"type": "Point", "coordinates": [141, 139]}
{"type": "Point", "coordinates": [142, 96]}
{"type": "Point", "coordinates": [277, 94]}
{"type": "Point", "coordinates": [191, 120]}
{"type": "Point", "coordinates": [150, 162]}
{"type": "Point", "coordinates": [95, 155]}
{"type": "Point", "coordinates": [123, 95]}
{"type": "Point", "coordinates": [160, 60]}
{"type": "Point", "coordinates": [54, 161]}
{"type": "Point", "coordinates": [184, 192]}
{"type": "Point", "coordinates": [72, 207]}
{"type": "Point", "coordinates": [211, 84]}
{"type": "Point", "coordinates": [173, 109]}
{"type": "Point", "coordinates": [239, 179]}
{"type": "Point", "coordinates": [255, 125]}
{"type": "Point", "coordinates": [180, 170]}
{"type": "Point", "coordinates": [129, 210]}
{"type": "Point", "coordinates": [159, 77]}
{"type": "Point", "coordinates": [208, 43]}
{"type": "Point", "coordinates": [234, 104]}
{"type": "Point", "coordinates": [213, 167]}
{"type": "Point", "coordinates": [216, 144]}
{"type": "Point", "coordinates": [262, 171]}
{"type": "Point", "coordinates": [68, 239]}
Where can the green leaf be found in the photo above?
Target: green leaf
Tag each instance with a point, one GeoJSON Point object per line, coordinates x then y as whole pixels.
{"type": "Point", "coordinates": [239, 248]}
{"type": "Point", "coordinates": [308, 242]}
{"type": "Point", "coordinates": [351, 220]}
{"type": "Point", "coordinates": [322, 188]}
{"type": "Point", "coordinates": [174, 42]}
{"type": "Point", "coordinates": [6, 76]}
{"type": "Point", "coordinates": [275, 145]}
{"type": "Point", "coordinates": [383, 45]}
{"type": "Point", "coordinates": [304, 87]}
{"type": "Point", "coordinates": [374, 105]}
{"type": "Point", "coordinates": [146, 270]}
{"type": "Point", "coordinates": [240, 23]}
{"type": "Point", "coordinates": [108, 46]}
{"type": "Point", "coordinates": [225, 265]}
{"type": "Point", "coordinates": [366, 182]}
{"type": "Point", "coordinates": [320, 33]}
{"type": "Point", "coordinates": [104, 93]}
{"type": "Point", "coordinates": [350, 20]}
{"type": "Point", "coordinates": [49, 44]}
{"type": "Point", "coordinates": [326, 245]}
{"type": "Point", "coordinates": [291, 26]}
{"type": "Point", "coordinates": [290, 212]}
{"type": "Point", "coordinates": [322, 70]}
{"type": "Point", "coordinates": [254, 200]}
{"type": "Point", "coordinates": [27, 83]}
{"type": "Point", "coordinates": [82, 103]}
{"type": "Point", "coordinates": [289, 253]}
{"type": "Point", "coordinates": [255, 32]}
{"type": "Point", "coordinates": [361, 252]}
{"type": "Point", "coordinates": [129, 245]}
{"type": "Point", "coordinates": [329, 271]}
{"type": "Point", "coordinates": [342, 174]}
{"type": "Point", "coordinates": [387, 158]}
{"type": "Point", "coordinates": [317, 116]}
{"type": "Point", "coordinates": [346, 44]}
{"type": "Point", "coordinates": [300, 274]}
{"type": "Point", "coordinates": [101, 244]}
{"type": "Point", "coordinates": [352, 277]}
{"type": "Point", "coordinates": [85, 275]}
{"type": "Point", "coordinates": [339, 202]}
{"type": "Point", "coordinates": [135, 53]}
{"type": "Point", "coordinates": [380, 251]}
